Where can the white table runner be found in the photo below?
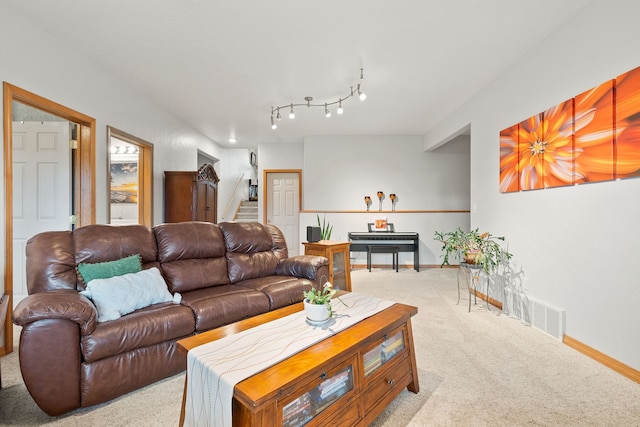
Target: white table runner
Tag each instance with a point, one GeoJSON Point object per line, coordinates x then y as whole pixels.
{"type": "Point", "coordinates": [215, 368]}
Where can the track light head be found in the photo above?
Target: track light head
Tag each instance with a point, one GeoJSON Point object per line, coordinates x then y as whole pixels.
{"type": "Point", "coordinates": [361, 95]}
{"type": "Point", "coordinates": [327, 113]}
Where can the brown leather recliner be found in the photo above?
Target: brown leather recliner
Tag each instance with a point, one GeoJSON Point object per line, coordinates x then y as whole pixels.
{"type": "Point", "coordinates": [224, 273]}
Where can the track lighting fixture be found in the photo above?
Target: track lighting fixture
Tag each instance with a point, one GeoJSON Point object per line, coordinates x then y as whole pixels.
{"type": "Point", "coordinates": [275, 111]}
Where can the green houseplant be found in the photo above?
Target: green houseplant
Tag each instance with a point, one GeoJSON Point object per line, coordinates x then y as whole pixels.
{"type": "Point", "coordinates": [473, 247]}
{"type": "Point", "coordinates": [322, 297]}
{"type": "Point", "coordinates": [325, 228]}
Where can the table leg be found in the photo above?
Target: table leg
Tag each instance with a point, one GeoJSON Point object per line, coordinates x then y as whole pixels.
{"type": "Point", "coordinates": [488, 309]}
{"type": "Point", "coordinates": [184, 402]}
{"type": "Point", "coordinates": [458, 280]}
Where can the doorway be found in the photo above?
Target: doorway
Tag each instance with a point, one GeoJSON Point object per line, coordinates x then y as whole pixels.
{"type": "Point", "coordinates": [42, 178]}
{"type": "Point", "coordinates": [130, 169]}
{"type": "Point", "coordinates": [283, 202]}
{"type": "Point", "coordinates": [83, 172]}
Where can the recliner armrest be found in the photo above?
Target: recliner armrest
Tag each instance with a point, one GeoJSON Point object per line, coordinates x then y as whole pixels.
{"type": "Point", "coordinates": [59, 304]}
{"type": "Point", "coordinates": [304, 266]}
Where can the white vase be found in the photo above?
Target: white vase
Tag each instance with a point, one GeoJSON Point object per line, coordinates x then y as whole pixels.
{"type": "Point", "coordinates": [316, 313]}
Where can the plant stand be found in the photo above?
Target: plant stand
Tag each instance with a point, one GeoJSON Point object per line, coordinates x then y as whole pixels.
{"type": "Point", "coordinates": [472, 274]}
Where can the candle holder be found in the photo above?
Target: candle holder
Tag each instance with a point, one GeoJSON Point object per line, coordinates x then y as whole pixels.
{"type": "Point", "coordinates": [393, 198]}
{"type": "Point", "coordinates": [367, 201]}
{"type": "Point", "coordinates": [380, 198]}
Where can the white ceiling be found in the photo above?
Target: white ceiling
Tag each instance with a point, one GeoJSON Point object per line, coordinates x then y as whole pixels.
{"type": "Point", "coordinates": [220, 65]}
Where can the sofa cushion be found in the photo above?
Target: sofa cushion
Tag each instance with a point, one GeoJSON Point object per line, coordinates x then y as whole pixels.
{"type": "Point", "coordinates": [142, 328]}
{"type": "Point", "coordinates": [120, 295]}
{"type": "Point", "coordinates": [246, 237]}
{"type": "Point", "coordinates": [192, 255]}
{"type": "Point", "coordinates": [106, 269]}
{"type": "Point", "coordinates": [51, 262]}
{"type": "Point", "coordinates": [279, 246]}
{"type": "Point", "coordinates": [281, 290]}
{"type": "Point", "coordinates": [220, 305]}
{"type": "Point", "coordinates": [249, 250]}
{"type": "Point", "coordinates": [250, 266]}
{"type": "Point", "coordinates": [100, 242]}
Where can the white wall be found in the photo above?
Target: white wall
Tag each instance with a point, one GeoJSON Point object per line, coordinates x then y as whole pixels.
{"type": "Point", "coordinates": [577, 246]}
{"type": "Point", "coordinates": [36, 62]}
{"type": "Point", "coordinates": [234, 187]}
{"type": "Point", "coordinates": [339, 171]}
{"type": "Point", "coordinates": [345, 169]}
{"type": "Point", "coordinates": [273, 157]}
{"type": "Point", "coordinates": [40, 64]}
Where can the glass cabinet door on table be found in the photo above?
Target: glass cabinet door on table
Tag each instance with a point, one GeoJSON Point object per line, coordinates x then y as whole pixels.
{"type": "Point", "coordinates": [338, 255]}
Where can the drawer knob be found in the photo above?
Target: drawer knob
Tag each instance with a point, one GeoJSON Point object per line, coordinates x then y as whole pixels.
{"type": "Point", "coordinates": [391, 382]}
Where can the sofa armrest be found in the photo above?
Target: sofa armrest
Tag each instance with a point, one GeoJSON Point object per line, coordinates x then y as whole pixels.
{"type": "Point", "coordinates": [310, 267]}
{"type": "Point", "coordinates": [63, 304]}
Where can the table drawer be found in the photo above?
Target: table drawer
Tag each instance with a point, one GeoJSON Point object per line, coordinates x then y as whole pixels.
{"type": "Point", "coordinates": [350, 417]}
{"type": "Point", "coordinates": [391, 380]}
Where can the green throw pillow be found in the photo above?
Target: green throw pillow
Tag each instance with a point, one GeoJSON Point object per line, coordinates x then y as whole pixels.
{"type": "Point", "coordinates": [107, 269]}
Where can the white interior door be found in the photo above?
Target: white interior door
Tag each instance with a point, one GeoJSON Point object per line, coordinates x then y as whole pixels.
{"type": "Point", "coordinates": [283, 206]}
{"type": "Point", "coordinates": [41, 187]}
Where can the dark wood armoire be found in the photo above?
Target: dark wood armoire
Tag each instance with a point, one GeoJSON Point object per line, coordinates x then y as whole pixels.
{"type": "Point", "coordinates": [191, 196]}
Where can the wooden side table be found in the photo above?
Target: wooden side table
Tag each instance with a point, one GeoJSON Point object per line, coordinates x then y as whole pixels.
{"type": "Point", "coordinates": [338, 254]}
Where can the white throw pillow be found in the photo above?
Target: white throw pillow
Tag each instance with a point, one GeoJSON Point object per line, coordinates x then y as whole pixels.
{"type": "Point", "coordinates": [120, 295]}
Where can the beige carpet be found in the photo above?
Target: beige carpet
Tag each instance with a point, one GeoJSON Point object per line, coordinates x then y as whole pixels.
{"type": "Point", "coordinates": [476, 369]}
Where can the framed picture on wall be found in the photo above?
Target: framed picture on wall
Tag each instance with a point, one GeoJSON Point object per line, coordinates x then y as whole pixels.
{"type": "Point", "coordinates": [124, 183]}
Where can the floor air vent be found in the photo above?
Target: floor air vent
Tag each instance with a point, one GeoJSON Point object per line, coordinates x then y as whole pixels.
{"type": "Point", "coordinates": [541, 316]}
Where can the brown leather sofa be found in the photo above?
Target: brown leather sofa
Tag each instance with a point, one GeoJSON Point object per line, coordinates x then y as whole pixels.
{"type": "Point", "coordinates": [224, 273]}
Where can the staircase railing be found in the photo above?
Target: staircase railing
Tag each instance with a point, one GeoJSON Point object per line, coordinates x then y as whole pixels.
{"type": "Point", "coordinates": [232, 196]}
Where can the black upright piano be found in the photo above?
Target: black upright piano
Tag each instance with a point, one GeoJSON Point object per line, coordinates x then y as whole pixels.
{"type": "Point", "coordinates": [406, 242]}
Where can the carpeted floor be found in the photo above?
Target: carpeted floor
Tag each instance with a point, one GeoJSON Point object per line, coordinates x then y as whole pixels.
{"type": "Point", "coordinates": [476, 369]}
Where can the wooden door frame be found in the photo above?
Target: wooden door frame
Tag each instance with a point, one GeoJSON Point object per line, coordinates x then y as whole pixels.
{"type": "Point", "coordinates": [145, 174]}
{"type": "Point", "coordinates": [84, 188]}
{"type": "Point", "coordinates": [265, 176]}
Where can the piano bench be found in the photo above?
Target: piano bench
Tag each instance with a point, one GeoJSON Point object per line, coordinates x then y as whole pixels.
{"type": "Point", "coordinates": [383, 249]}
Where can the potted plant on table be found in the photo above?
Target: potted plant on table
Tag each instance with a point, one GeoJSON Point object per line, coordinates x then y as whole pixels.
{"type": "Point", "coordinates": [325, 228]}
{"type": "Point", "coordinates": [317, 303]}
{"type": "Point", "coordinates": [473, 247]}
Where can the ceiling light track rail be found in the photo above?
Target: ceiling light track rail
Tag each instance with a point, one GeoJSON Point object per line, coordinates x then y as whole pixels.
{"type": "Point", "coordinates": [355, 90]}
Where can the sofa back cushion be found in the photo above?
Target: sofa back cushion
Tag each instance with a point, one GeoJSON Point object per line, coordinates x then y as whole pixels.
{"type": "Point", "coordinates": [253, 250]}
{"type": "Point", "coordinates": [98, 243]}
{"type": "Point", "coordinates": [192, 255]}
{"type": "Point", "coordinates": [50, 262]}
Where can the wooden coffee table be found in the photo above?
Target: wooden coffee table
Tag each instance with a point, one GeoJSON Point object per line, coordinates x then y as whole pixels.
{"type": "Point", "coordinates": [346, 379]}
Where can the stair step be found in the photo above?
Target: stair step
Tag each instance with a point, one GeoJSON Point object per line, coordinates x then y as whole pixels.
{"type": "Point", "coordinates": [247, 212]}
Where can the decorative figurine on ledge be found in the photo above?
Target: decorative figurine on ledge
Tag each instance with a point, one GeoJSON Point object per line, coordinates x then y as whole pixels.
{"type": "Point", "coordinates": [367, 201]}
{"type": "Point", "coordinates": [394, 199]}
